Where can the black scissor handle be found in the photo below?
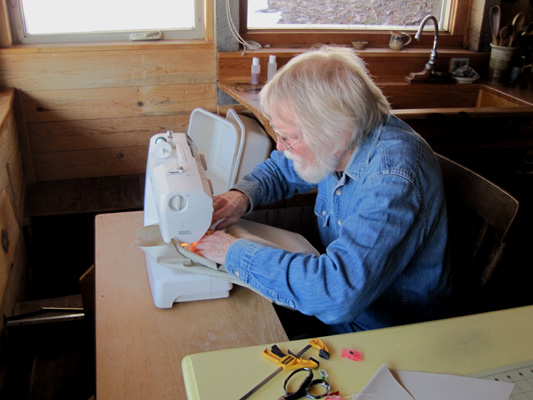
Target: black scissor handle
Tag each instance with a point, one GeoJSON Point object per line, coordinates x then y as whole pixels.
{"type": "Point", "coordinates": [305, 386]}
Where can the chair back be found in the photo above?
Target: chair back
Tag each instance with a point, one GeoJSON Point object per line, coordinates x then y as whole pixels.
{"type": "Point", "coordinates": [479, 217]}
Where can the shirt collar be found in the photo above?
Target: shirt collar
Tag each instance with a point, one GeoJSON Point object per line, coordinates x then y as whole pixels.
{"type": "Point", "coordinates": [361, 154]}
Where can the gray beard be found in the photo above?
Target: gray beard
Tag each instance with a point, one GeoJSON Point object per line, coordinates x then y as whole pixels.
{"type": "Point", "coordinates": [312, 173]}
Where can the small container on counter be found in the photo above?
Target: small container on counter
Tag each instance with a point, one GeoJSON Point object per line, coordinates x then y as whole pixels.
{"type": "Point", "coordinates": [256, 70]}
{"type": "Point", "coordinates": [272, 67]}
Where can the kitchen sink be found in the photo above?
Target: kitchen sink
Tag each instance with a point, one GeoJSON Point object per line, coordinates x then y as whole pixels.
{"type": "Point", "coordinates": [413, 101]}
{"type": "Point", "coordinates": [454, 118]}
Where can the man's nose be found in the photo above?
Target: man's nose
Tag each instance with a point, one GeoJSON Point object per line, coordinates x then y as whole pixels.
{"type": "Point", "coordinates": [279, 146]}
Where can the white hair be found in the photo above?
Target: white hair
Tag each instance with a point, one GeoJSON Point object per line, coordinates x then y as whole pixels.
{"type": "Point", "coordinates": [330, 95]}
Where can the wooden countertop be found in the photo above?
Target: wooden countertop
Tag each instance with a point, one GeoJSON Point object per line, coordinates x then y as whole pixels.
{"type": "Point", "coordinates": [139, 348]}
{"type": "Point", "coordinates": [524, 93]}
{"type": "Point", "coordinates": [248, 95]}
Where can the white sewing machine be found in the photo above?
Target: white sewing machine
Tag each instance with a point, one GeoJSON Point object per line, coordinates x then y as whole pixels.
{"type": "Point", "coordinates": [183, 173]}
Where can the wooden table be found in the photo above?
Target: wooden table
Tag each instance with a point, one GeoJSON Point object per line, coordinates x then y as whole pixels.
{"type": "Point", "coordinates": [139, 348]}
{"type": "Point", "coordinates": [457, 346]}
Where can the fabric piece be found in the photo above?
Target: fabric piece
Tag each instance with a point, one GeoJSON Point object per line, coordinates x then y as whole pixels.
{"type": "Point", "coordinates": [173, 255]}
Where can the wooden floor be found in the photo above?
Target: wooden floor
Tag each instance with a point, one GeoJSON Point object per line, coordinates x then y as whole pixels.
{"type": "Point", "coordinates": [51, 360]}
{"type": "Point", "coordinates": [56, 360]}
{"type": "Point", "coordinates": [46, 358]}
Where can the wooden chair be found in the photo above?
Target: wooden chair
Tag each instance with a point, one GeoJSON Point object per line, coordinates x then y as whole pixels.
{"type": "Point", "coordinates": [480, 215]}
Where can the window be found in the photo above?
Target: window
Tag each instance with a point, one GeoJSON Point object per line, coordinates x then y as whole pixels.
{"type": "Point", "coordinates": [341, 14]}
{"type": "Point", "coordinates": [282, 22]}
{"type": "Point", "coordinates": [49, 21]}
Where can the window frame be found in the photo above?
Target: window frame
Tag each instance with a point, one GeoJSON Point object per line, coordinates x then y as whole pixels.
{"type": "Point", "coordinates": [457, 14]}
{"type": "Point", "coordinates": [19, 37]}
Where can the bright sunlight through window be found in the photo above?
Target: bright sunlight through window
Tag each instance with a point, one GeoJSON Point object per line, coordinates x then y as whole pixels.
{"type": "Point", "coordinates": [72, 18]}
{"type": "Point", "coordinates": [340, 14]}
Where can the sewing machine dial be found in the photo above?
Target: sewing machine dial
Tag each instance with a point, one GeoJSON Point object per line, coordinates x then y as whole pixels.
{"type": "Point", "coordinates": [178, 203]}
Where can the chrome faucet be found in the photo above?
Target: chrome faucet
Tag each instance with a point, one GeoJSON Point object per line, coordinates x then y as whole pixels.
{"type": "Point", "coordinates": [432, 63]}
{"type": "Point", "coordinates": [430, 71]}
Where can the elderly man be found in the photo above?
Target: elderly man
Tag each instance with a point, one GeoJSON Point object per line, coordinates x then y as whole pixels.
{"type": "Point", "coordinates": [380, 204]}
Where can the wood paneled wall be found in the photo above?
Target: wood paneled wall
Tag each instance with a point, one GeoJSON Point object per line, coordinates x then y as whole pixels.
{"type": "Point", "coordinates": [12, 189]}
{"type": "Point", "coordinates": [384, 65]}
{"type": "Point", "coordinates": [11, 171]}
{"type": "Point", "coordinates": [90, 110]}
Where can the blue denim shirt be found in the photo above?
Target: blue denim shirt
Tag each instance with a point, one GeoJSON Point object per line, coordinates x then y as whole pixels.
{"type": "Point", "coordinates": [383, 224]}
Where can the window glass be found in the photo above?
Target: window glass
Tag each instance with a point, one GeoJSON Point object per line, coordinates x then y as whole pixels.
{"type": "Point", "coordinates": [82, 20]}
{"type": "Point", "coordinates": [341, 14]}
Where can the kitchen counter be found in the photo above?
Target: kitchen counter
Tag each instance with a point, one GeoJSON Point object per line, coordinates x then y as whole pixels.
{"type": "Point", "coordinates": [504, 102]}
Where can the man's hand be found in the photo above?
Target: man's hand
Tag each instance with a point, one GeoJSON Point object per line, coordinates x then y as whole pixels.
{"type": "Point", "coordinates": [229, 207]}
{"type": "Point", "coordinates": [215, 246]}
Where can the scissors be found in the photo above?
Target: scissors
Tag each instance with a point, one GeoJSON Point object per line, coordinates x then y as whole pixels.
{"type": "Point", "coordinates": [305, 386]}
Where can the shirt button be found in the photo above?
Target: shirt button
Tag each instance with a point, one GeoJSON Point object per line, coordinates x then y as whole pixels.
{"type": "Point", "coordinates": [236, 272]}
{"type": "Point", "coordinates": [338, 192]}
{"type": "Point", "coordinates": [339, 222]}
{"type": "Point", "coordinates": [323, 213]}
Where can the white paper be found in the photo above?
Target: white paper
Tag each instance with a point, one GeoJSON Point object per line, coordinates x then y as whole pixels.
{"type": "Point", "coordinates": [407, 385]}
{"type": "Point", "coordinates": [383, 386]}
